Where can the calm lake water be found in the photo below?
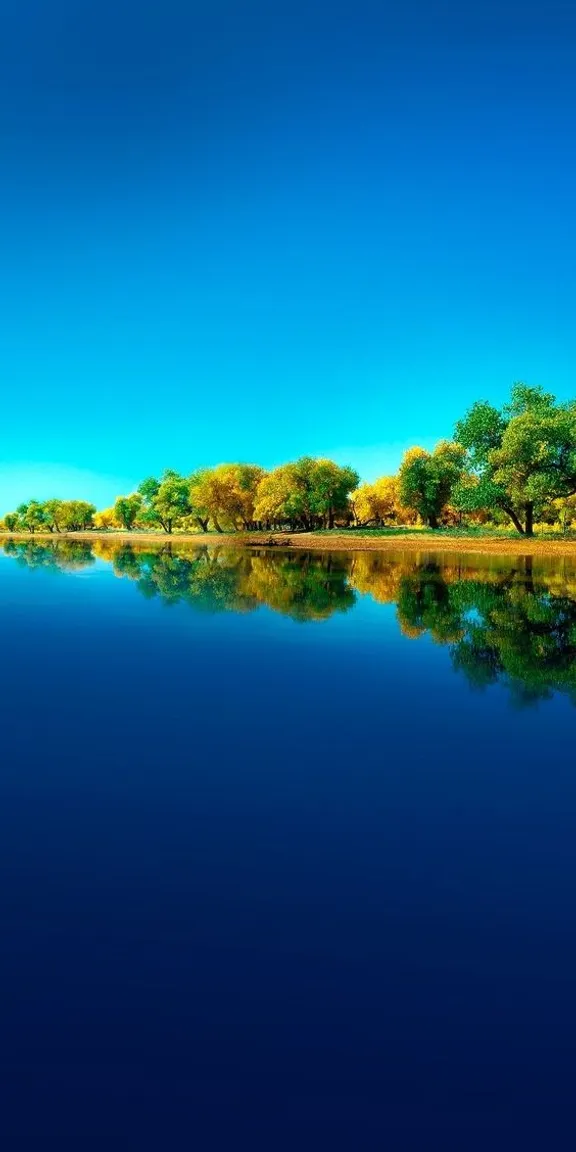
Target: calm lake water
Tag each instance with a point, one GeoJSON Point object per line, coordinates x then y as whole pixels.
{"type": "Point", "coordinates": [288, 848]}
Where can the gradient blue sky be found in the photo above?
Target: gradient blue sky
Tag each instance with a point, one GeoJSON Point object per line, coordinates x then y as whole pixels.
{"type": "Point", "coordinates": [255, 230]}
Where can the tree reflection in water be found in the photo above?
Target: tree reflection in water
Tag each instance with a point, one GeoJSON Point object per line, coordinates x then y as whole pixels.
{"type": "Point", "coordinates": [508, 621]}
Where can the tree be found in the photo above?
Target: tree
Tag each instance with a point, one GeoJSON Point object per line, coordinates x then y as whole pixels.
{"type": "Point", "coordinates": [375, 503]}
{"type": "Point", "coordinates": [274, 495]}
{"type": "Point", "coordinates": [53, 514]}
{"type": "Point", "coordinates": [523, 456]}
{"type": "Point", "coordinates": [31, 516]}
{"type": "Point", "coordinates": [76, 515]}
{"type": "Point", "coordinates": [126, 510]}
{"type": "Point", "coordinates": [307, 494]}
{"type": "Point", "coordinates": [226, 495]}
{"type": "Point", "coordinates": [427, 479]}
{"type": "Point", "coordinates": [11, 520]}
{"type": "Point", "coordinates": [105, 519]}
{"type": "Point", "coordinates": [331, 486]}
{"type": "Point", "coordinates": [166, 501]}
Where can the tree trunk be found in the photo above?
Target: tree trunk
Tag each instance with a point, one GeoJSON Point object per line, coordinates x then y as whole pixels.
{"type": "Point", "coordinates": [216, 524]}
{"type": "Point", "coordinates": [511, 513]}
{"type": "Point", "coordinates": [330, 517]}
{"type": "Point", "coordinates": [433, 520]}
{"type": "Point", "coordinates": [529, 509]}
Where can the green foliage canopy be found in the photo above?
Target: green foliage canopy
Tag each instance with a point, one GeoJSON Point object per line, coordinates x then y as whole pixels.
{"type": "Point", "coordinates": [427, 479]}
{"type": "Point", "coordinates": [523, 456]}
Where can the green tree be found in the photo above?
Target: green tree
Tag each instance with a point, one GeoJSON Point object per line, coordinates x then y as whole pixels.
{"type": "Point", "coordinates": [11, 521]}
{"type": "Point", "coordinates": [308, 494]}
{"type": "Point", "coordinates": [523, 455]}
{"type": "Point", "coordinates": [53, 514]}
{"type": "Point", "coordinates": [166, 501]}
{"type": "Point", "coordinates": [427, 479]}
{"type": "Point", "coordinates": [31, 516]}
{"type": "Point", "coordinates": [76, 515]}
{"type": "Point", "coordinates": [332, 486]}
{"type": "Point", "coordinates": [127, 509]}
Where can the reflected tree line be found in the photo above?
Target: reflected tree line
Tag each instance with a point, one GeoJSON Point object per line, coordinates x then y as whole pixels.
{"type": "Point", "coordinates": [502, 621]}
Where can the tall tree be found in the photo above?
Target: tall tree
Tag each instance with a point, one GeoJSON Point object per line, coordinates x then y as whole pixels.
{"type": "Point", "coordinates": [378, 502]}
{"type": "Point", "coordinates": [523, 455]}
{"type": "Point", "coordinates": [427, 479]}
{"type": "Point", "coordinates": [226, 495]}
{"type": "Point", "coordinates": [77, 515]}
{"type": "Point", "coordinates": [31, 516]}
{"type": "Point", "coordinates": [308, 494]}
{"type": "Point", "coordinates": [166, 501]}
{"type": "Point", "coordinates": [126, 510]}
{"type": "Point", "coordinates": [53, 514]}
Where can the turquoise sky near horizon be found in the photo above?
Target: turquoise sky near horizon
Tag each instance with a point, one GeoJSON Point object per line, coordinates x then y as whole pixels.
{"type": "Point", "coordinates": [248, 232]}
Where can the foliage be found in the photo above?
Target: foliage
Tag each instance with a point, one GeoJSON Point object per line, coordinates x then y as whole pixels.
{"type": "Point", "coordinates": [378, 502]}
{"type": "Point", "coordinates": [427, 479]}
{"type": "Point", "coordinates": [51, 516]}
{"type": "Point", "coordinates": [127, 509]}
{"type": "Point", "coordinates": [523, 456]}
{"type": "Point", "coordinates": [31, 516]}
{"type": "Point", "coordinates": [515, 464]}
{"type": "Point", "coordinates": [225, 495]}
{"type": "Point", "coordinates": [310, 493]}
{"type": "Point", "coordinates": [76, 515]}
{"type": "Point", "coordinates": [105, 519]}
{"type": "Point", "coordinates": [165, 501]}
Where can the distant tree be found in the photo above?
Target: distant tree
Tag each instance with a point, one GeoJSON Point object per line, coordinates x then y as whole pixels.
{"type": "Point", "coordinates": [31, 516]}
{"type": "Point", "coordinates": [331, 486]}
{"type": "Point", "coordinates": [76, 515]}
{"type": "Point", "coordinates": [273, 499]}
{"type": "Point", "coordinates": [127, 509]}
{"type": "Point", "coordinates": [105, 519]}
{"type": "Point", "coordinates": [427, 479]}
{"type": "Point", "coordinates": [523, 455]}
{"type": "Point", "coordinates": [53, 514]}
{"type": "Point", "coordinates": [380, 502]}
{"type": "Point", "coordinates": [226, 495]}
{"type": "Point", "coordinates": [11, 521]}
{"type": "Point", "coordinates": [165, 501]}
{"type": "Point", "coordinates": [310, 493]}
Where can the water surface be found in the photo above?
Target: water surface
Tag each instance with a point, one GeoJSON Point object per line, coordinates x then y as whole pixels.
{"type": "Point", "coordinates": [288, 846]}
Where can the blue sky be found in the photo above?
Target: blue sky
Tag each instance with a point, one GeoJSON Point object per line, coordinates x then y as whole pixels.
{"type": "Point", "coordinates": [251, 231]}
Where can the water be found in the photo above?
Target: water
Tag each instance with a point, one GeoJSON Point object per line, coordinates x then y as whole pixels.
{"type": "Point", "coordinates": [288, 848]}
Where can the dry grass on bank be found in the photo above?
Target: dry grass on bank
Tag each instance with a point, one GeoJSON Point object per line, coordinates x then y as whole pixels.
{"type": "Point", "coordinates": [347, 541]}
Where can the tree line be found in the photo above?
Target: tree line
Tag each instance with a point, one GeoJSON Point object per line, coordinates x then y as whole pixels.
{"type": "Point", "coordinates": [516, 464]}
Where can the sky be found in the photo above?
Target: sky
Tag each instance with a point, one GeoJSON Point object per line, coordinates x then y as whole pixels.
{"type": "Point", "coordinates": [249, 231]}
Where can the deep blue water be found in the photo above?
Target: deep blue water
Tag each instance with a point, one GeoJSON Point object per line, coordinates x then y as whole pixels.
{"type": "Point", "coordinates": [288, 850]}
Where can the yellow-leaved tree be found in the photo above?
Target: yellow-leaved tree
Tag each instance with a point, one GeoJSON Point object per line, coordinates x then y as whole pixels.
{"type": "Point", "coordinates": [379, 502]}
{"type": "Point", "coordinates": [105, 519]}
{"type": "Point", "coordinates": [225, 496]}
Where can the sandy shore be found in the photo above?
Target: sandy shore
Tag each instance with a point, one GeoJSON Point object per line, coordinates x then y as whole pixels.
{"type": "Point", "coordinates": [333, 542]}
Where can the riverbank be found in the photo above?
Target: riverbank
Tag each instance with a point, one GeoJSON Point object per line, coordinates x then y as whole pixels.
{"type": "Point", "coordinates": [336, 541]}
